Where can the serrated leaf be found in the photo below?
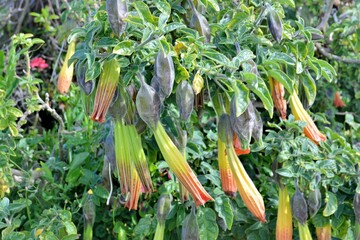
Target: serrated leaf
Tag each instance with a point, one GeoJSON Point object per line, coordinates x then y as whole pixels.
{"type": "Point", "coordinates": [223, 208]}
{"type": "Point", "coordinates": [208, 227]}
{"type": "Point", "coordinates": [331, 204]}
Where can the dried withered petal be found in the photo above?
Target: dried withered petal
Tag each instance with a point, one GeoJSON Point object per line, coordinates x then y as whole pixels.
{"type": "Point", "coordinates": [225, 131]}
{"type": "Point", "coordinates": [163, 207]}
{"type": "Point", "coordinates": [164, 72]}
{"type": "Point", "coordinates": [258, 126]}
{"type": "Point", "coordinates": [80, 71]}
{"type": "Point", "coordinates": [299, 206]}
{"type": "Point", "coordinates": [110, 149]}
{"type": "Point", "coordinates": [356, 204]}
{"type": "Point", "coordinates": [199, 22]}
{"type": "Point", "coordinates": [156, 85]}
{"type": "Point", "coordinates": [119, 107]}
{"type": "Point", "coordinates": [314, 202]}
{"type": "Point", "coordinates": [243, 125]}
{"type": "Point", "coordinates": [148, 104]}
{"type": "Point", "coordinates": [190, 227]}
{"type": "Point", "coordinates": [185, 99]}
{"type": "Point", "coordinates": [117, 10]}
{"type": "Point", "coordinates": [274, 24]}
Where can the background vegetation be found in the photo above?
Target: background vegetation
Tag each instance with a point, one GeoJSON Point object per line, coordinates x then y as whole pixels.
{"type": "Point", "coordinates": [52, 165]}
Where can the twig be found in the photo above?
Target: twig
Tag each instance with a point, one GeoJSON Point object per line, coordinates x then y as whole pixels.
{"type": "Point", "coordinates": [329, 55]}
{"type": "Point", "coordinates": [22, 16]}
{"type": "Point", "coordinates": [325, 19]}
{"type": "Point", "coordinates": [57, 62]}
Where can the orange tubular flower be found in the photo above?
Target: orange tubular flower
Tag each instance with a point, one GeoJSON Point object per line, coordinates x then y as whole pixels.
{"type": "Point", "coordinates": [338, 102]}
{"type": "Point", "coordinates": [180, 167]}
{"type": "Point", "coordinates": [238, 148]}
{"type": "Point", "coordinates": [66, 72]}
{"type": "Point", "coordinates": [247, 189]}
{"type": "Point", "coordinates": [310, 130]}
{"type": "Point", "coordinates": [227, 179]}
{"type": "Point", "coordinates": [284, 226]}
{"type": "Point", "coordinates": [105, 90]}
{"type": "Point", "coordinates": [278, 93]}
{"type": "Point", "coordinates": [324, 233]}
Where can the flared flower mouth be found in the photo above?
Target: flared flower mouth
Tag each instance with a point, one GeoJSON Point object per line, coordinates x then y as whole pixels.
{"type": "Point", "coordinates": [310, 130]}
{"type": "Point", "coordinates": [105, 90]}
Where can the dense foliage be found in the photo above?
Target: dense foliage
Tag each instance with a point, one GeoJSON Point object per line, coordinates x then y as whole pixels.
{"type": "Point", "coordinates": [178, 80]}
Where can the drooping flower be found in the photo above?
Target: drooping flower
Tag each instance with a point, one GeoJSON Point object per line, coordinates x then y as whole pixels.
{"type": "Point", "coordinates": [310, 130]}
{"type": "Point", "coordinates": [67, 71]}
{"type": "Point", "coordinates": [105, 90]}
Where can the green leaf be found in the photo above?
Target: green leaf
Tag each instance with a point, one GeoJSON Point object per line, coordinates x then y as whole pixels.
{"type": "Point", "coordinates": [331, 204]}
{"type": "Point", "coordinates": [282, 58]}
{"type": "Point", "coordinates": [144, 12]}
{"type": "Point", "coordinates": [13, 129]}
{"type": "Point", "coordinates": [173, 26]}
{"type": "Point", "coordinates": [289, 3]}
{"type": "Point", "coordinates": [101, 192]}
{"type": "Point", "coordinates": [284, 79]}
{"type": "Point", "coordinates": [163, 6]}
{"type": "Point", "coordinates": [143, 227]}
{"type": "Point", "coordinates": [257, 85]}
{"type": "Point", "coordinates": [217, 57]}
{"type": "Point", "coordinates": [212, 3]}
{"type": "Point", "coordinates": [208, 227]}
{"type": "Point", "coordinates": [78, 160]}
{"type": "Point", "coordinates": [309, 87]}
{"type": "Point", "coordinates": [223, 208]}
{"type": "Point", "coordinates": [19, 204]}
{"type": "Point", "coordinates": [125, 48]}
{"type": "Point", "coordinates": [70, 227]}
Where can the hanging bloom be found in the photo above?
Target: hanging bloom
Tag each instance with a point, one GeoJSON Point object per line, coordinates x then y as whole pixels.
{"type": "Point", "coordinates": [227, 178]}
{"type": "Point", "coordinates": [247, 189]}
{"type": "Point", "coordinates": [284, 226]}
{"type": "Point", "coordinates": [338, 102]}
{"type": "Point", "coordinates": [67, 71]}
{"type": "Point", "coordinates": [180, 167]}
{"type": "Point", "coordinates": [310, 130]}
{"type": "Point", "coordinates": [39, 63]}
{"type": "Point", "coordinates": [148, 106]}
{"type": "Point", "coordinates": [278, 93]}
{"type": "Point", "coordinates": [105, 90]}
